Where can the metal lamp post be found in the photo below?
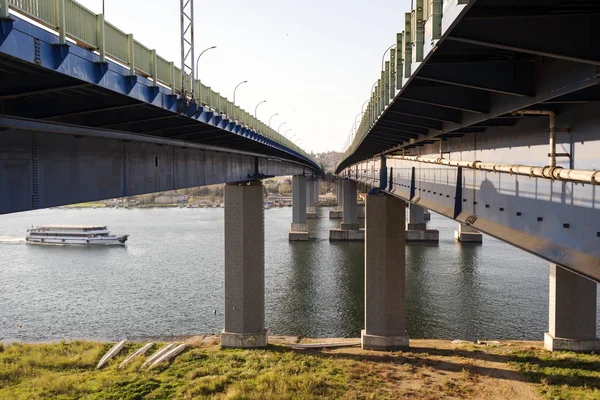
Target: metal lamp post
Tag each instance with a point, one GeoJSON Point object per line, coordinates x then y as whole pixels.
{"type": "Point", "coordinates": [256, 108]}
{"type": "Point", "coordinates": [272, 116]}
{"type": "Point", "coordinates": [238, 85]}
{"type": "Point", "coordinates": [198, 59]}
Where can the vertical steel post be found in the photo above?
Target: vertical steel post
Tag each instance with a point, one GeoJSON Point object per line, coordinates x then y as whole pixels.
{"type": "Point", "coordinates": [62, 22]}
{"type": "Point", "coordinates": [131, 54]}
{"type": "Point", "coordinates": [154, 66]}
{"type": "Point", "coordinates": [392, 73]}
{"type": "Point", "coordinates": [399, 61]}
{"type": "Point", "coordinates": [3, 9]}
{"type": "Point", "coordinates": [101, 38]}
{"type": "Point", "coordinates": [172, 76]}
{"type": "Point", "coordinates": [187, 49]}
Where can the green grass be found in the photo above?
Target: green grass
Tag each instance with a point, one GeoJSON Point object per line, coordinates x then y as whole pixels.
{"type": "Point", "coordinates": [67, 371]}
{"type": "Point", "coordinates": [560, 375]}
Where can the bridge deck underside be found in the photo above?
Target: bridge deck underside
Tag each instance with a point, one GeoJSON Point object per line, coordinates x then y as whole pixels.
{"type": "Point", "coordinates": [37, 93]}
{"type": "Point", "coordinates": [46, 82]}
{"type": "Point", "coordinates": [499, 57]}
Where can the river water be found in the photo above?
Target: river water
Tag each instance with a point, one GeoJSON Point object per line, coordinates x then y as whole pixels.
{"type": "Point", "coordinates": [169, 279]}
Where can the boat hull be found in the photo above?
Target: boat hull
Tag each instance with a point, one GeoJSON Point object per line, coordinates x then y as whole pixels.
{"type": "Point", "coordinates": [106, 241]}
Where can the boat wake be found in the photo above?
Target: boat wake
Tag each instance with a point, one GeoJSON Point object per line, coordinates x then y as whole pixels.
{"type": "Point", "coordinates": [11, 240]}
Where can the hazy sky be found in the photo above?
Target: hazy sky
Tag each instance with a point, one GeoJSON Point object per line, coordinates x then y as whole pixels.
{"type": "Point", "coordinates": [313, 61]}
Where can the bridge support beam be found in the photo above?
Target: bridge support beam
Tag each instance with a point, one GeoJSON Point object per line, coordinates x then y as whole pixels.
{"type": "Point", "coordinates": [244, 266]}
{"type": "Point", "coordinates": [467, 234]}
{"type": "Point", "coordinates": [416, 230]}
{"type": "Point", "coordinates": [337, 213]}
{"type": "Point", "coordinates": [572, 319]}
{"type": "Point", "coordinates": [311, 209]}
{"type": "Point", "coordinates": [299, 229]}
{"type": "Point", "coordinates": [385, 327]}
{"type": "Point", "coordinates": [349, 228]}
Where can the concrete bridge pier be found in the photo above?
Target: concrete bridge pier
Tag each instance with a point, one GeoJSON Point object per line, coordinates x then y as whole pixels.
{"type": "Point", "coordinates": [337, 213]}
{"type": "Point", "coordinates": [416, 229]}
{"type": "Point", "coordinates": [385, 327]}
{"type": "Point", "coordinates": [426, 215]}
{"type": "Point", "coordinates": [317, 192]}
{"type": "Point", "coordinates": [572, 316]}
{"type": "Point", "coordinates": [299, 229]}
{"type": "Point", "coordinates": [349, 228]}
{"type": "Point", "coordinates": [311, 208]}
{"type": "Point", "coordinates": [244, 266]}
{"type": "Point", "coordinates": [468, 234]}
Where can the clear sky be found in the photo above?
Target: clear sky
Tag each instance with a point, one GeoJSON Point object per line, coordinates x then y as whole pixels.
{"type": "Point", "coordinates": [313, 61]}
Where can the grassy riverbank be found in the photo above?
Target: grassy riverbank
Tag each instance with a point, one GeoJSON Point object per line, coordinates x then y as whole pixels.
{"type": "Point", "coordinates": [431, 370]}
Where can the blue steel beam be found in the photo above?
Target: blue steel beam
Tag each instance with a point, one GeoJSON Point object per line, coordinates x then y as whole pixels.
{"type": "Point", "coordinates": [65, 68]}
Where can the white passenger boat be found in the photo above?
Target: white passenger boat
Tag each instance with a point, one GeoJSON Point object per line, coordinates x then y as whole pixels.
{"type": "Point", "coordinates": [86, 235]}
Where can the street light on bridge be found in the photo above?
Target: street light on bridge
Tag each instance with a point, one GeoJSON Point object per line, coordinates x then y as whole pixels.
{"type": "Point", "coordinates": [238, 85]}
{"type": "Point", "coordinates": [256, 108]}
{"type": "Point", "coordinates": [278, 129]}
{"type": "Point", "coordinates": [272, 116]}
{"type": "Point", "coordinates": [198, 59]}
{"type": "Point", "coordinates": [288, 131]}
{"type": "Point", "coordinates": [383, 56]}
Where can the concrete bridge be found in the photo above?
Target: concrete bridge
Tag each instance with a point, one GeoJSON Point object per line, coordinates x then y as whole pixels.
{"type": "Point", "coordinates": [487, 113]}
{"type": "Point", "coordinates": [89, 113]}
{"type": "Point", "coordinates": [492, 127]}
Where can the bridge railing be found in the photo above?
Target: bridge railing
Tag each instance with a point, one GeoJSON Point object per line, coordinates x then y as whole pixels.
{"type": "Point", "coordinates": [89, 30]}
{"type": "Point", "coordinates": [422, 29]}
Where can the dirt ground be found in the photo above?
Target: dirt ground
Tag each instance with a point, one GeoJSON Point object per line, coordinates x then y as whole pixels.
{"type": "Point", "coordinates": [430, 369]}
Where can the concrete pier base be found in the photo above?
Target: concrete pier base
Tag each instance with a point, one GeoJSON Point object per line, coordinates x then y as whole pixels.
{"type": "Point", "coordinates": [383, 343]}
{"type": "Point", "coordinates": [244, 266]}
{"type": "Point", "coordinates": [552, 343]}
{"type": "Point", "coordinates": [336, 214]}
{"type": "Point", "coordinates": [385, 327]}
{"type": "Point", "coordinates": [572, 312]}
{"type": "Point", "coordinates": [428, 236]}
{"type": "Point", "coordinates": [244, 340]}
{"type": "Point", "coordinates": [299, 233]}
{"type": "Point", "coordinates": [416, 228]}
{"type": "Point", "coordinates": [311, 213]}
{"type": "Point", "coordinates": [467, 234]}
{"type": "Point", "coordinates": [357, 235]}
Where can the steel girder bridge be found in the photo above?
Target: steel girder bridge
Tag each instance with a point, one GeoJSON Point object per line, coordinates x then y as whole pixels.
{"type": "Point", "coordinates": [487, 113]}
{"type": "Point", "coordinates": [87, 112]}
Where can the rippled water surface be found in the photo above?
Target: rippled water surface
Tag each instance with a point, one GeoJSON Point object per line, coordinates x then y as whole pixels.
{"type": "Point", "coordinates": [169, 279]}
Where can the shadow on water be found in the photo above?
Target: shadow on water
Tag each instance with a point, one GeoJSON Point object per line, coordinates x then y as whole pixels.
{"type": "Point", "coordinates": [420, 314]}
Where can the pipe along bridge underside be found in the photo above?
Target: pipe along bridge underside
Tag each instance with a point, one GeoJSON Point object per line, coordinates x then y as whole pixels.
{"type": "Point", "coordinates": [477, 98]}
{"type": "Point", "coordinates": [94, 116]}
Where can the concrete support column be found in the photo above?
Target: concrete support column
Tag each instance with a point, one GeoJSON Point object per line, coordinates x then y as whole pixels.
{"type": "Point", "coordinates": [337, 213]}
{"type": "Point", "coordinates": [468, 234]}
{"type": "Point", "coordinates": [426, 215]}
{"type": "Point", "coordinates": [416, 228]}
{"type": "Point", "coordinates": [572, 316]}
{"type": "Point", "coordinates": [385, 327]}
{"type": "Point", "coordinates": [350, 212]}
{"type": "Point", "coordinates": [416, 218]}
{"type": "Point", "coordinates": [244, 266]}
{"type": "Point", "coordinates": [299, 229]}
{"type": "Point", "coordinates": [349, 229]}
{"type": "Point", "coordinates": [317, 191]}
{"type": "Point", "coordinates": [311, 210]}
